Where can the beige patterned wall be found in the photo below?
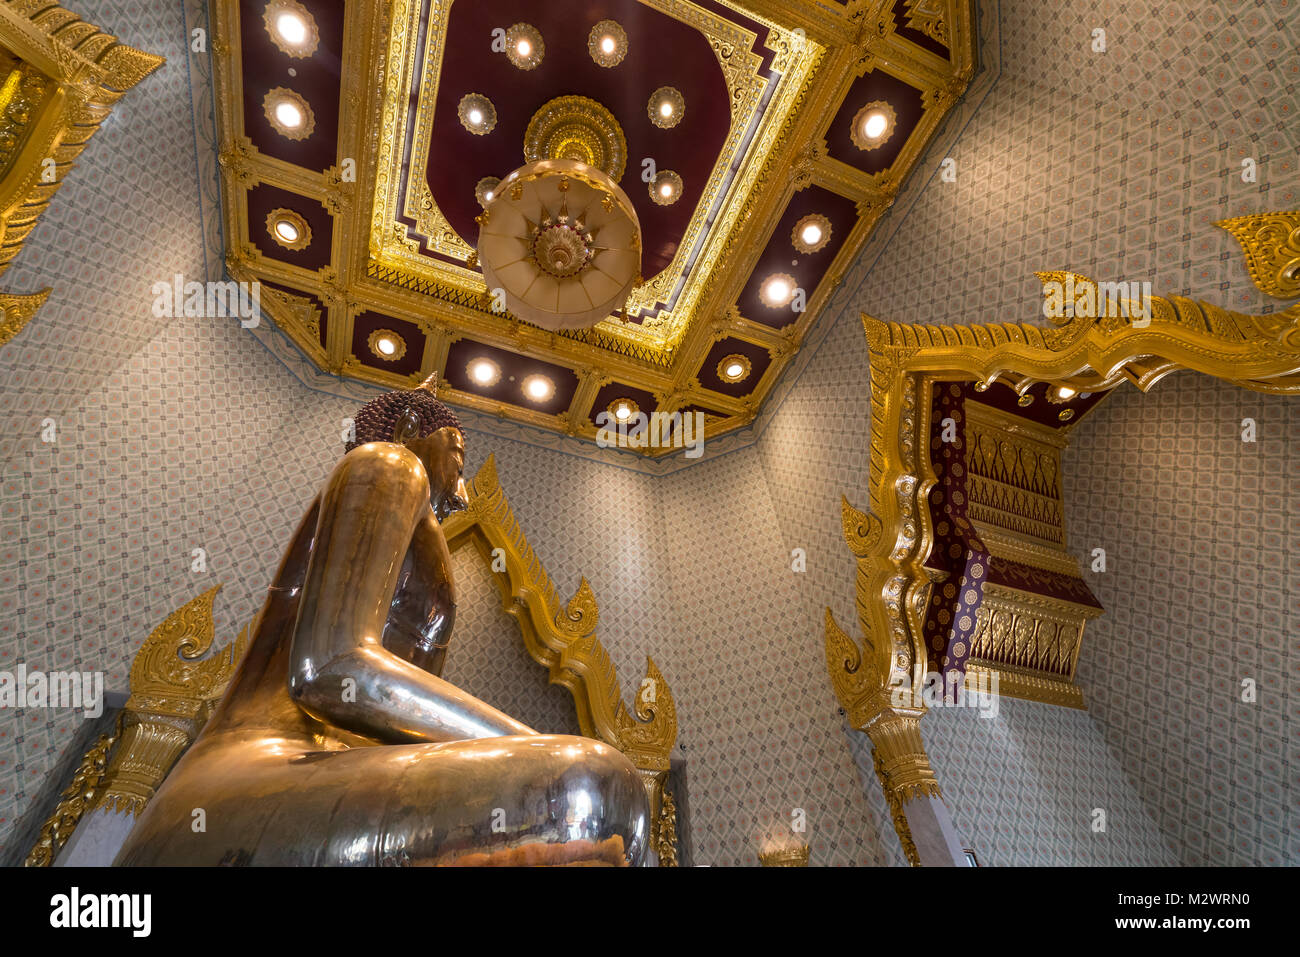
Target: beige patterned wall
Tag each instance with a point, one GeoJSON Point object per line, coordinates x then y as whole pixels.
{"type": "Point", "coordinates": [196, 435]}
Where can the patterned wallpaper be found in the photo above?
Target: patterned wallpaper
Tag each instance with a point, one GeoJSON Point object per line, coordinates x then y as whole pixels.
{"type": "Point", "coordinates": [194, 434]}
{"type": "Point", "coordinates": [1201, 583]}
{"type": "Point", "coordinates": [110, 233]}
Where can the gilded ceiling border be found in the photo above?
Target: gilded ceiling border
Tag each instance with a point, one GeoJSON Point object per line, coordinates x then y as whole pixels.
{"type": "Point", "coordinates": [353, 283]}
{"type": "Point", "coordinates": [70, 74]}
{"type": "Point", "coordinates": [892, 539]}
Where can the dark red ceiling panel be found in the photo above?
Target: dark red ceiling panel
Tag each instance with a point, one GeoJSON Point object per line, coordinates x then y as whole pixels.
{"type": "Point", "coordinates": [759, 359]}
{"type": "Point", "coordinates": [369, 322]}
{"type": "Point", "coordinates": [515, 368]}
{"type": "Point", "coordinates": [780, 256]}
{"type": "Point", "coordinates": [875, 85]}
{"type": "Point", "coordinates": [645, 401]}
{"type": "Point", "coordinates": [262, 199]}
{"type": "Point", "coordinates": [662, 51]}
{"type": "Point", "coordinates": [902, 9]}
{"type": "Point", "coordinates": [315, 79]}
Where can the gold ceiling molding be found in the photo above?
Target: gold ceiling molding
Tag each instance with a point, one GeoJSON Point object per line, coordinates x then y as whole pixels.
{"type": "Point", "coordinates": [174, 690]}
{"type": "Point", "coordinates": [1271, 242]}
{"type": "Point", "coordinates": [59, 79]}
{"type": "Point", "coordinates": [375, 263]}
{"type": "Point", "coordinates": [892, 540]}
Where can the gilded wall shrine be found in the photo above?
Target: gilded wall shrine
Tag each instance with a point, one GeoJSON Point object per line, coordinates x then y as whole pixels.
{"type": "Point", "coordinates": [178, 434]}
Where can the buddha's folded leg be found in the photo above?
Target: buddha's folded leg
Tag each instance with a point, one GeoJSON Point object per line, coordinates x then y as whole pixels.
{"type": "Point", "coordinates": [508, 800]}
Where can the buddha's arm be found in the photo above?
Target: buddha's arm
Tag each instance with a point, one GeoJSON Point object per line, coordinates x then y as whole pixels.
{"type": "Point", "coordinates": [339, 671]}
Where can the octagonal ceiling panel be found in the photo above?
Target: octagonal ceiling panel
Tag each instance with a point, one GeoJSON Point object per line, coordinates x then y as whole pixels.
{"type": "Point", "coordinates": [352, 181]}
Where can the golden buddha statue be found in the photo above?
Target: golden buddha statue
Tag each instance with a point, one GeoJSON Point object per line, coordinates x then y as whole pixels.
{"type": "Point", "coordinates": [338, 743]}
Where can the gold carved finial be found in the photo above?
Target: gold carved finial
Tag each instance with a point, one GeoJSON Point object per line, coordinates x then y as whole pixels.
{"type": "Point", "coordinates": [429, 385]}
{"type": "Point", "coordinates": [1271, 242]}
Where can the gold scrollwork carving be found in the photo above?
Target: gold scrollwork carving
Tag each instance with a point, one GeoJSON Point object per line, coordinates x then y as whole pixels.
{"type": "Point", "coordinates": [1085, 353]}
{"type": "Point", "coordinates": [62, 78]}
{"type": "Point", "coordinates": [77, 798]}
{"type": "Point", "coordinates": [1271, 242]}
{"type": "Point", "coordinates": [173, 692]}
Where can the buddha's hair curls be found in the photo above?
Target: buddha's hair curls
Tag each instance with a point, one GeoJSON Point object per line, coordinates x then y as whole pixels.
{"type": "Point", "coordinates": [377, 419]}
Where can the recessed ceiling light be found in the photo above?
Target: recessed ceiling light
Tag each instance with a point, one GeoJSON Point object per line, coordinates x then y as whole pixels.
{"type": "Point", "coordinates": [811, 233]}
{"type": "Point", "coordinates": [484, 372]}
{"type": "Point", "coordinates": [477, 114]}
{"type": "Point", "coordinates": [666, 187]}
{"type": "Point", "coordinates": [485, 189]}
{"type": "Point", "coordinates": [288, 113]}
{"type": "Point", "coordinates": [734, 368]}
{"type": "Point", "coordinates": [288, 229]}
{"type": "Point", "coordinates": [524, 46]}
{"type": "Point", "coordinates": [873, 125]}
{"type": "Point", "coordinates": [1065, 392]}
{"type": "Point", "coordinates": [607, 43]}
{"type": "Point", "coordinates": [291, 28]}
{"type": "Point", "coordinates": [666, 107]}
{"type": "Point", "coordinates": [777, 290]}
{"type": "Point", "coordinates": [539, 388]}
{"type": "Point", "coordinates": [386, 344]}
{"type": "Point", "coordinates": [623, 409]}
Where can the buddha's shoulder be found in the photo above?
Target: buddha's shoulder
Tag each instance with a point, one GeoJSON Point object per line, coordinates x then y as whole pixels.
{"type": "Point", "coordinates": [386, 464]}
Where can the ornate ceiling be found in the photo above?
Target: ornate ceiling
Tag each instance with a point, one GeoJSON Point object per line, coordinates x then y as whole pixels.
{"type": "Point", "coordinates": [358, 141]}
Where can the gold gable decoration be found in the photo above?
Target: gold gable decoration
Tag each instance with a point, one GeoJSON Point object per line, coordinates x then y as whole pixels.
{"type": "Point", "coordinates": [173, 692]}
{"type": "Point", "coordinates": [59, 79]}
{"type": "Point", "coordinates": [561, 636]}
{"type": "Point", "coordinates": [1086, 353]}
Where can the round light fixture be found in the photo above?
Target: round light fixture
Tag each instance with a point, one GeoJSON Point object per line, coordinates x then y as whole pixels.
{"type": "Point", "coordinates": [777, 290]}
{"type": "Point", "coordinates": [666, 187]}
{"type": "Point", "coordinates": [291, 28]}
{"type": "Point", "coordinates": [666, 107]}
{"type": "Point", "coordinates": [477, 114]}
{"type": "Point", "coordinates": [538, 388]}
{"type": "Point", "coordinates": [288, 229]}
{"type": "Point", "coordinates": [734, 368]}
{"type": "Point", "coordinates": [484, 189]}
{"type": "Point", "coordinates": [873, 125]}
{"type": "Point", "coordinates": [288, 113]}
{"type": "Point", "coordinates": [811, 233]}
{"type": "Point", "coordinates": [1065, 392]}
{"type": "Point", "coordinates": [607, 43]}
{"type": "Point", "coordinates": [484, 372]}
{"type": "Point", "coordinates": [563, 242]}
{"type": "Point", "coordinates": [386, 344]}
{"type": "Point", "coordinates": [524, 46]}
{"type": "Point", "coordinates": [622, 409]}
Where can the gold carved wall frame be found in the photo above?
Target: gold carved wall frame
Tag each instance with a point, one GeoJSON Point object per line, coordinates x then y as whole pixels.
{"type": "Point", "coordinates": [892, 539]}
{"type": "Point", "coordinates": [561, 636]}
{"type": "Point", "coordinates": [61, 78]}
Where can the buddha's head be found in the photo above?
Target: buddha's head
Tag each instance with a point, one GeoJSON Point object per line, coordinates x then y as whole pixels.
{"type": "Point", "coordinates": [416, 419]}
